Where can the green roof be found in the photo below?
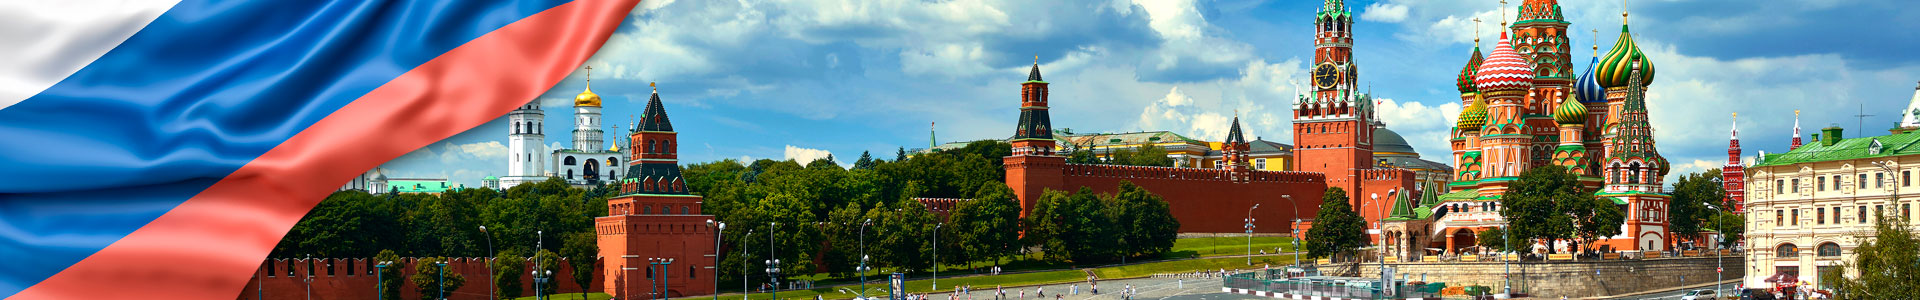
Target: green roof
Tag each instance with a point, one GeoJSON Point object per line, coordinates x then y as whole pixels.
{"type": "Point", "coordinates": [1126, 139]}
{"type": "Point", "coordinates": [1616, 200]}
{"type": "Point", "coordinates": [419, 185]}
{"type": "Point", "coordinates": [1846, 149]}
{"type": "Point", "coordinates": [1467, 194]}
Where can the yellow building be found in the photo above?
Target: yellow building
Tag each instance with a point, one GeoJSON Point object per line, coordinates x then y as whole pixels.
{"type": "Point", "coordinates": [1807, 207]}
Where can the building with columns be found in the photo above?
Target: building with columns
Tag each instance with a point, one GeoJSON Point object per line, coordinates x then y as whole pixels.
{"type": "Point", "coordinates": [1808, 207]}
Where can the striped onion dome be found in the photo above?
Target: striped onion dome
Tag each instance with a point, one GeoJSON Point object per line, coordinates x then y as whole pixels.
{"type": "Point", "coordinates": [1617, 66]}
{"type": "Point", "coordinates": [1588, 89]}
{"type": "Point", "coordinates": [1465, 82]}
{"type": "Point", "coordinates": [1474, 116]}
{"type": "Point", "coordinates": [1504, 70]}
{"type": "Point", "coordinates": [1571, 111]}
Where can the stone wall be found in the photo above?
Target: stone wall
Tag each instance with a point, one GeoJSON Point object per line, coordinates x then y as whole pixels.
{"type": "Point", "coordinates": [1575, 278]}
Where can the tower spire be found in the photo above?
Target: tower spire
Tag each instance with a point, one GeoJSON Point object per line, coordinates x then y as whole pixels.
{"type": "Point", "coordinates": [1503, 17]}
{"type": "Point", "coordinates": [1476, 32]}
{"type": "Point", "coordinates": [1796, 131]}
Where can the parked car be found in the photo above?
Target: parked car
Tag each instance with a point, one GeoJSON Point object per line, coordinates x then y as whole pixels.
{"type": "Point", "coordinates": [1699, 295]}
{"type": "Point", "coordinates": [1756, 294]}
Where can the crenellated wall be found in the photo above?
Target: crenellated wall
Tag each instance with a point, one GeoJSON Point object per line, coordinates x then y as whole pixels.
{"type": "Point", "coordinates": [350, 278]}
{"type": "Point", "coordinates": [1209, 200]}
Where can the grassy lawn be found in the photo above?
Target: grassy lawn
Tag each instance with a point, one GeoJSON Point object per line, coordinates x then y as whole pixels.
{"type": "Point", "coordinates": [572, 296]}
{"type": "Point", "coordinates": [1049, 277]}
{"type": "Point", "coordinates": [1219, 246]}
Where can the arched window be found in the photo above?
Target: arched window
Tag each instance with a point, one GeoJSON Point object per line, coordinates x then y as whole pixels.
{"type": "Point", "coordinates": [516, 127]}
{"type": "Point", "coordinates": [646, 210]}
{"type": "Point", "coordinates": [569, 161]}
{"type": "Point", "coordinates": [683, 211]}
{"type": "Point", "coordinates": [666, 146]}
{"type": "Point", "coordinates": [1787, 250]}
{"type": "Point", "coordinates": [1829, 249]}
{"type": "Point", "coordinates": [613, 161]}
{"type": "Point", "coordinates": [569, 172]}
{"type": "Point", "coordinates": [649, 146]}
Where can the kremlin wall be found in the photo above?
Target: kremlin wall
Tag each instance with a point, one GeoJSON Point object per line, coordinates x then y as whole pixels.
{"type": "Point", "coordinates": [353, 278]}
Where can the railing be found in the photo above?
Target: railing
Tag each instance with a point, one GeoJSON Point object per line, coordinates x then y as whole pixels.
{"type": "Point", "coordinates": [1343, 287]}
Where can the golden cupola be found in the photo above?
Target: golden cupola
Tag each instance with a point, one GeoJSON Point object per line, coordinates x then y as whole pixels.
{"type": "Point", "coordinates": [587, 98]}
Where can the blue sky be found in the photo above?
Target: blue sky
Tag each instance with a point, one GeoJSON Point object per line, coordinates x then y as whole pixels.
{"type": "Point", "coordinates": [799, 79]}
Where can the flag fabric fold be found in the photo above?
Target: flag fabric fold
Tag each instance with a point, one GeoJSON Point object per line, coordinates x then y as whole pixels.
{"type": "Point", "coordinates": [166, 163]}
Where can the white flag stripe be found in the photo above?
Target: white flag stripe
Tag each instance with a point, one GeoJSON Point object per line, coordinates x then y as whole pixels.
{"type": "Point", "coordinates": [46, 41]}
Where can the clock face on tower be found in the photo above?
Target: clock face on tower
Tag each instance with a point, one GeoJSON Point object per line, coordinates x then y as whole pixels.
{"type": "Point", "coordinates": [1326, 76]}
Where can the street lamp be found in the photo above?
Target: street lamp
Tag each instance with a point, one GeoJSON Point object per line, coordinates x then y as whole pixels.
{"type": "Point", "coordinates": [744, 291]}
{"type": "Point", "coordinates": [443, 277]}
{"type": "Point", "coordinates": [1380, 228]}
{"type": "Point", "coordinates": [1250, 233]}
{"type": "Point", "coordinates": [936, 256]}
{"type": "Point", "coordinates": [662, 263]}
{"type": "Point", "coordinates": [539, 239]}
{"type": "Point", "coordinates": [490, 254]}
{"type": "Point", "coordinates": [309, 279]}
{"type": "Point", "coordinates": [718, 232]}
{"type": "Point", "coordinates": [1295, 227]}
{"type": "Point", "coordinates": [380, 285]}
{"type": "Point", "coordinates": [863, 256]}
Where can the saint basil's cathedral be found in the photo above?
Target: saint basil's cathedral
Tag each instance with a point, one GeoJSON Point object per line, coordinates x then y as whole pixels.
{"type": "Point", "coordinates": [1525, 108]}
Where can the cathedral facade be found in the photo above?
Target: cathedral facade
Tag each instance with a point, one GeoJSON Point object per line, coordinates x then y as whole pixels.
{"type": "Point", "coordinates": [1525, 108]}
{"type": "Point", "coordinates": [591, 161]}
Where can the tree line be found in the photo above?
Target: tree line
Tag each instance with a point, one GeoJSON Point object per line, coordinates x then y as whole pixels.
{"type": "Point", "coordinates": [774, 210]}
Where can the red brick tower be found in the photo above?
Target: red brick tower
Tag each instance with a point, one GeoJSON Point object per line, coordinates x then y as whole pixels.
{"type": "Point", "coordinates": [1332, 129]}
{"type": "Point", "coordinates": [1733, 175]}
{"type": "Point", "coordinates": [655, 217]}
{"type": "Point", "coordinates": [1796, 131]}
{"type": "Point", "coordinates": [1033, 167]}
{"type": "Point", "coordinates": [1235, 149]}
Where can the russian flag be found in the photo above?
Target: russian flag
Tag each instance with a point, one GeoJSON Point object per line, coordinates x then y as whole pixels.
{"type": "Point", "coordinates": [159, 149]}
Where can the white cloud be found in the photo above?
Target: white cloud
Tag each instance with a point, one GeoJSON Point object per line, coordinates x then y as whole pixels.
{"type": "Point", "coordinates": [1426, 127]}
{"type": "Point", "coordinates": [1385, 12]}
{"type": "Point", "coordinates": [805, 155]}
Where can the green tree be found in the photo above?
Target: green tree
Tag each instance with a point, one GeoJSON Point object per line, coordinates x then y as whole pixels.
{"type": "Point", "coordinates": [1532, 205]}
{"type": "Point", "coordinates": [582, 251]}
{"type": "Point", "coordinates": [1493, 239]}
{"type": "Point", "coordinates": [1072, 227]}
{"type": "Point", "coordinates": [1151, 155]}
{"type": "Point", "coordinates": [391, 274]}
{"type": "Point", "coordinates": [428, 277]}
{"type": "Point", "coordinates": [1337, 229]}
{"type": "Point", "coordinates": [1731, 227]}
{"type": "Point", "coordinates": [507, 267]}
{"type": "Point", "coordinates": [1694, 198]}
{"type": "Point", "coordinates": [1596, 218]}
{"type": "Point", "coordinates": [865, 162]}
{"type": "Point", "coordinates": [1888, 263]}
{"type": "Point", "coordinates": [989, 226]}
{"type": "Point", "coordinates": [1146, 221]}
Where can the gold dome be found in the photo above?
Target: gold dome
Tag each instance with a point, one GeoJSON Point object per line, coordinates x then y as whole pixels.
{"type": "Point", "coordinates": [587, 98]}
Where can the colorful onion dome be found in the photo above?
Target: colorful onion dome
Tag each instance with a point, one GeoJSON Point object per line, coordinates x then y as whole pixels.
{"type": "Point", "coordinates": [1571, 111]}
{"type": "Point", "coordinates": [1474, 116]}
{"type": "Point", "coordinates": [1588, 89]}
{"type": "Point", "coordinates": [1617, 65]}
{"type": "Point", "coordinates": [1465, 82]}
{"type": "Point", "coordinates": [1504, 70]}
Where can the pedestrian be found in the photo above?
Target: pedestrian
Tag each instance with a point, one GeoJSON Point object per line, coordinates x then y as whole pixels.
{"type": "Point", "coordinates": [1181, 283]}
{"type": "Point", "coordinates": [1023, 294]}
{"type": "Point", "coordinates": [1040, 292]}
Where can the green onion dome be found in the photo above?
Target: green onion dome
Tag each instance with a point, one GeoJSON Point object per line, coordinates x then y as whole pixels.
{"type": "Point", "coordinates": [1474, 116]}
{"type": "Point", "coordinates": [1617, 66]}
{"type": "Point", "coordinates": [1571, 111]}
{"type": "Point", "coordinates": [1465, 81]}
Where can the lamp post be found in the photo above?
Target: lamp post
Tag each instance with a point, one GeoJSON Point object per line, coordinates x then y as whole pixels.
{"type": "Point", "coordinates": [744, 291]}
{"type": "Point", "coordinates": [309, 279]}
{"type": "Point", "coordinates": [1380, 229]}
{"type": "Point", "coordinates": [1295, 228]}
{"type": "Point", "coordinates": [490, 254]}
{"type": "Point", "coordinates": [1506, 240]}
{"type": "Point", "coordinates": [539, 239]}
{"type": "Point", "coordinates": [936, 256]}
{"type": "Point", "coordinates": [1250, 233]}
{"type": "Point", "coordinates": [380, 279]}
{"type": "Point", "coordinates": [863, 256]}
{"type": "Point", "coordinates": [719, 231]}
{"type": "Point", "coordinates": [442, 264]}
{"type": "Point", "coordinates": [662, 264]}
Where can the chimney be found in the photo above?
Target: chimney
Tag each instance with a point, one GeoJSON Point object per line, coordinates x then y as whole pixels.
{"type": "Point", "coordinates": [1830, 135]}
